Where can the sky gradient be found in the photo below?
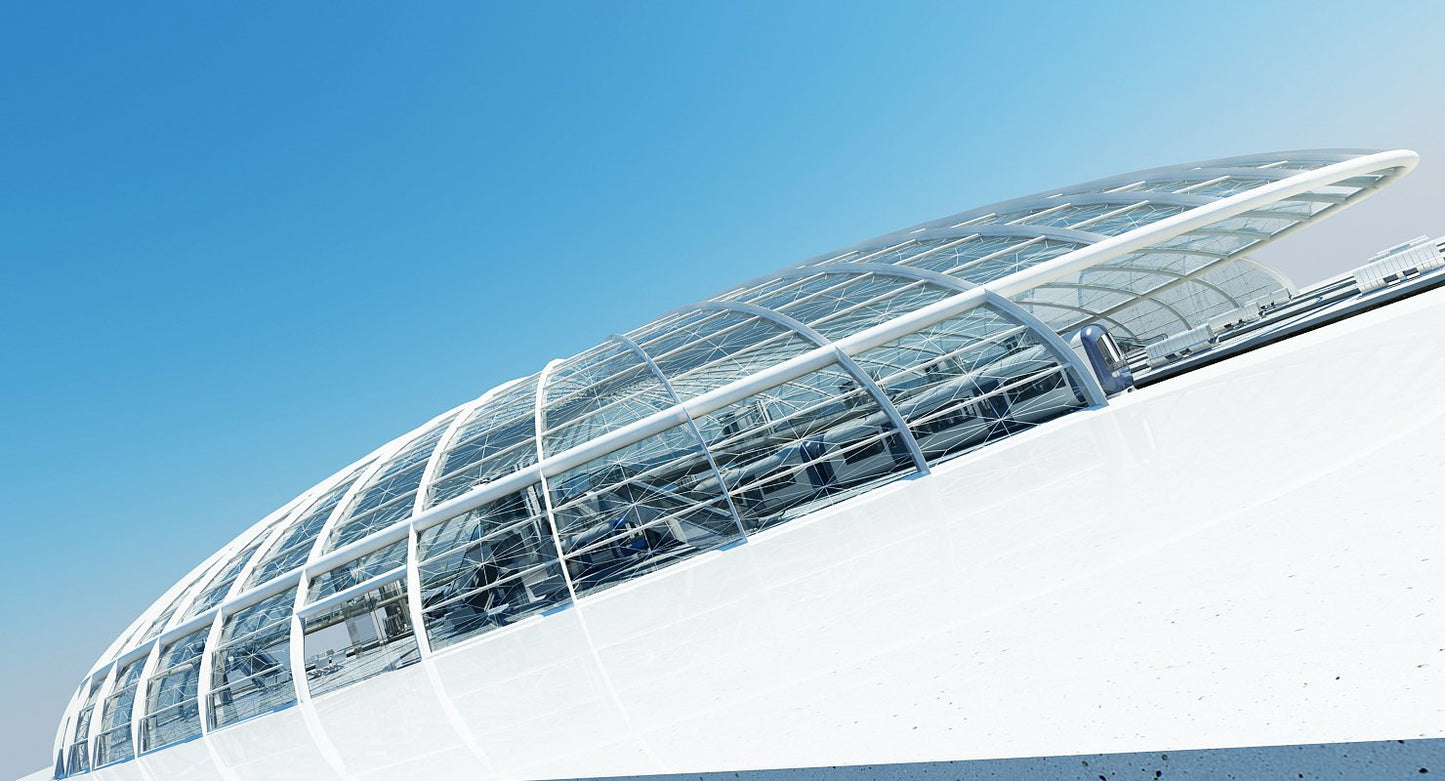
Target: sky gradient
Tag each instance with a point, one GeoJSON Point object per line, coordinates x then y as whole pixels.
{"type": "Point", "coordinates": [243, 245]}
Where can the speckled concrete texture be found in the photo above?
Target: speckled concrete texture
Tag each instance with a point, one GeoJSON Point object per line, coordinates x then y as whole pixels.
{"type": "Point", "coordinates": [1380, 759]}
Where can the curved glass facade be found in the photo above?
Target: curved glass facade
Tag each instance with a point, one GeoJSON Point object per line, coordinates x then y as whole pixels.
{"type": "Point", "coordinates": [695, 432]}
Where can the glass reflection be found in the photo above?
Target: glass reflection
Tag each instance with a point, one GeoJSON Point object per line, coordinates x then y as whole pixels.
{"type": "Point", "coordinates": [488, 568]}
{"type": "Point", "coordinates": [972, 380]}
{"type": "Point", "coordinates": [114, 743]}
{"type": "Point", "coordinates": [251, 666]}
{"type": "Point", "coordinates": [639, 508]}
{"type": "Point", "coordinates": [172, 713]}
{"type": "Point", "coordinates": [363, 636]}
{"type": "Point", "coordinates": [801, 445]}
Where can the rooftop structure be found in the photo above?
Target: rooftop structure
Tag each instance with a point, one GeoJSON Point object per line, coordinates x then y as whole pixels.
{"type": "Point", "coordinates": [703, 430]}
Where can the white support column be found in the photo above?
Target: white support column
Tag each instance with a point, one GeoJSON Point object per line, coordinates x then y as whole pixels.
{"type": "Point", "coordinates": [539, 421]}
{"type": "Point", "coordinates": [423, 491]}
{"type": "Point", "coordinates": [142, 694]}
{"type": "Point", "coordinates": [96, 712]}
{"type": "Point", "coordinates": [66, 734]}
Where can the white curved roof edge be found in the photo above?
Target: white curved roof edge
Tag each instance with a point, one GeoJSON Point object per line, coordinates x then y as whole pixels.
{"type": "Point", "coordinates": [1400, 161]}
{"type": "Point", "coordinates": [1396, 162]}
{"type": "Point", "coordinates": [1223, 166]}
{"type": "Point", "coordinates": [114, 653]}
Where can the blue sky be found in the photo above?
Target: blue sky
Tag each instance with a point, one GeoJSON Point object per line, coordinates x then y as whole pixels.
{"type": "Point", "coordinates": [242, 245]}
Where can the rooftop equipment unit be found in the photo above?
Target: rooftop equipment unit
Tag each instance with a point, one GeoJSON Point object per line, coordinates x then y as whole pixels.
{"type": "Point", "coordinates": [1161, 351]}
{"type": "Point", "coordinates": [1097, 347]}
{"type": "Point", "coordinates": [1402, 260]}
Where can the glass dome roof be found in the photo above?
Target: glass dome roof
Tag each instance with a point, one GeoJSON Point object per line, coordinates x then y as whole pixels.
{"type": "Point", "coordinates": [698, 431]}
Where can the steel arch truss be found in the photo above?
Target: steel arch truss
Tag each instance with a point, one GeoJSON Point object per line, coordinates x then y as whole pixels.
{"type": "Point", "coordinates": [698, 430]}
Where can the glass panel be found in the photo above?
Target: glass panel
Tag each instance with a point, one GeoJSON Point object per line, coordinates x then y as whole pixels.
{"type": "Point", "coordinates": [1264, 226]}
{"type": "Point", "coordinates": [783, 290]}
{"type": "Point", "coordinates": [1214, 292]}
{"type": "Point", "coordinates": [489, 567]}
{"type": "Point", "coordinates": [220, 585]}
{"type": "Point", "coordinates": [1227, 187]}
{"type": "Point", "coordinates": [160, 622]}
{"type": "Point", "coordinates": [1181, 181]}
{"type": "Point", "coordinates": [671, 332]}
{"type": "Point", "coordinates": [851, 320]}
{"type": "Point", "coordinates": [971, 380]}
{"type": "Point", "coordinates": [498, 439]}
{"type": "Point", "coordinates": [1063, 320]}
{"type": "Point", "coordinates": [598, 391]}
{"type": "Point", "coordinates": [358, 571]}
{"type": "Point", "coordinates": [915, 252]}
{"type": "Point", "coordinates": [1295, 165]}
{"type": "Point", "coordinates": [364, 636]}
{"type": "Point", "coordinates": [251, 666]}
{"type": "Point", "coordinates": [982, 219]}
{"type": "Point", "coordinates": [1067, 307]}
{"type": "Point", "coordinates": [132, 637]}
{"type": "Point", "coordinates": [647, 505]}
{"type": "Point", "coordinates": [390, 495]}
{"type": "Point", "coordinates": [961, 253]}
{"type": "Point", "coordinates": [172, 713]}
{"type": "Point", "coordinates": [1129, 219]}
{"type": "Point", "coordinates": [802, 445]}
{"type": "Point", "coordinates": [1215, 243]}
{"type": "Point", "coordinates": [79, 755]}
{"type": "Point", "coordinates": [1065, 216]}
{"type": "Point", "coordinates": [851, 302]}
{"type": "Point", "coordinates": [1013, 260]}
{"type": "Point", "coordinates": [114, 743]}
{"type": "Point", "coordinates": [715, 350]}
{"type": "Point", "coordinates": [1294, 208]}
{"type": "Point", "coordinates": [295, 545]}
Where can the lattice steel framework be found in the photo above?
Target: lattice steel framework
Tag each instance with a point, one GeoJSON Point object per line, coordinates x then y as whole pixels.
{"type": "Point", "coordinates": [696, 432]}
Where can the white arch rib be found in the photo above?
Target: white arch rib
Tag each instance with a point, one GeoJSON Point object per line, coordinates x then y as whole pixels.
{"type": "Point", "coordinates": [1379, 168]}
